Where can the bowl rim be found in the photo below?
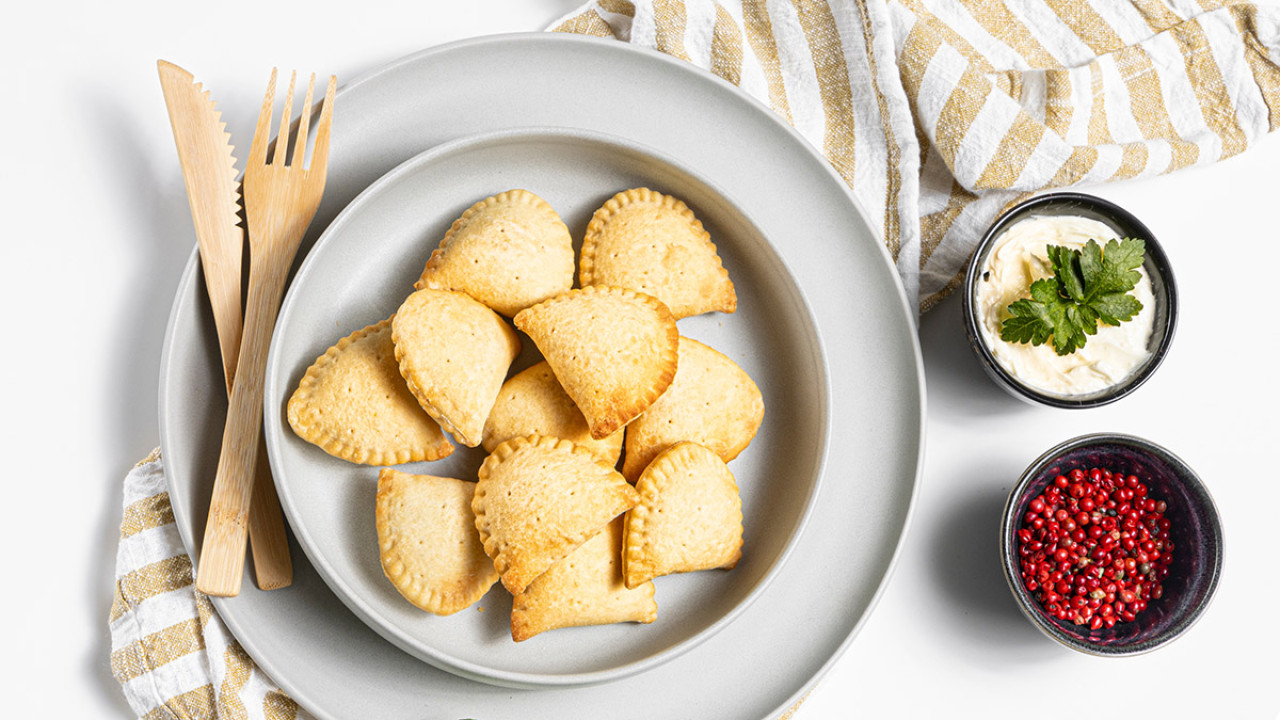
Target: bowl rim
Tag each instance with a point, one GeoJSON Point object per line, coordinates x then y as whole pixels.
{"type": "Point", "coordinates": [1156, 259]}
{"type": "Point", "coordinates": [354, 595]}
{"type": "Point", "coordinates": [1008, 560]}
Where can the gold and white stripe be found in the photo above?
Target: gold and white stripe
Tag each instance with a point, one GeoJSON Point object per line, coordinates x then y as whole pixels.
{"type": "Point", "coordinates": [170, 652]}
{"type": "Point", "coordinates": [939, 114]}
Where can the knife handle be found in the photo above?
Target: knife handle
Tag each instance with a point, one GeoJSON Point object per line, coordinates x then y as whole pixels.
{"type": "Point", "coordinates": [268, 542]}
{"type": "Point", "coordinates": [222, 556]}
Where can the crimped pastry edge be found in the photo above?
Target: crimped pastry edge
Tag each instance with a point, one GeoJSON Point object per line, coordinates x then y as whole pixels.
{"type": "Point", "coordinates": [433, 407]}
{"type": "Point", "coordinates": [431, 600]}
{"type": "Point", "coordinates": [631, 443]}
{"type": "Point", "coordinates": [523, 626]}
{"type": "Point", "coordinates": [519, 195]}
{"type": "Point", "coordinates": [611, 422]}
{"type": "Point", "coordinates": [302, 417]}
{"type": "Point", "coordinates": [497, 457]}
{"type": "Point", "coordinates": [638, 565]}
{"type": "Point", "coordinates": [604, 448]}
{"type": "Point", "coordinates": [726, 301]}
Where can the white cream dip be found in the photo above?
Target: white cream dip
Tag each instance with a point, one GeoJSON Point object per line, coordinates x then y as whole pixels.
{"type": "Point", "coordinates": [1018, 259]}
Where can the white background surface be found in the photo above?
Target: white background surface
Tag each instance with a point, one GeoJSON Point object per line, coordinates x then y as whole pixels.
{"type": "Point", "coordinates": [92, 196]}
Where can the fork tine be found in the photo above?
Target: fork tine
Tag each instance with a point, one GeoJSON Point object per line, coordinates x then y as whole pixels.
{"type": "Point", "coordinates": [304, 119]}
{"type": "Point", "coordinates": [286, 116]}
{"type": "Point", "coordinates": [320, 155]}
{"type": "Point", "coordinates": [261, 135]}
{"type": "Point", "coordinates": [280, 203]}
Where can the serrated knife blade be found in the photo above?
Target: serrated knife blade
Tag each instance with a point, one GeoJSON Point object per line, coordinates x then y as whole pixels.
{"type": "Point", "coordinates": [213, 191]}
{"type": "Point", "coordinates": [209, 169]}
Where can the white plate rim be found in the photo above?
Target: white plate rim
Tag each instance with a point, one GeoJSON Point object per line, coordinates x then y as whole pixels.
{"type": "Point", "coordinates": [273, 427]}
{"type": "Point", "coordinates": [170, 425]}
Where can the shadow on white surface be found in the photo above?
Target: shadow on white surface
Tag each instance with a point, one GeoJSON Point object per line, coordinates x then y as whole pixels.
{"type": "Point", "coordinates": [964, 554]}
{"type": "Point", "coordinates": [959, 389]}
{"type": "Point", "coordinates": [961, 540]}
{"type": "Point", "coordinates": [150, 189]}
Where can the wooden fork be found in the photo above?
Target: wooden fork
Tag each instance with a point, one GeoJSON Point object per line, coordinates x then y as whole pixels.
{"type": "Point", "coordinates": [281, 197]}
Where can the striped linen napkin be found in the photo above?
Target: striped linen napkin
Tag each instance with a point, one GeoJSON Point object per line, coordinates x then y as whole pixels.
{"type": "Point", "coordinates": [941, 114]}
{"type": "Point", "coordinates": [172, 655]}
{"type": "Point", "coordinates": [937, 114]}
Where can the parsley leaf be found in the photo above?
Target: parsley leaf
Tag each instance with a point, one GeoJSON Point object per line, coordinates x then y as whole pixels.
{"type": "Point", "coordinates": [1088, 286]}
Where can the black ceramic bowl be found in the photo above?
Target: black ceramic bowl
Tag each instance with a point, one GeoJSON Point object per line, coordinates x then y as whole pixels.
{"type": "Point", "coordinates": [1195, 531]}
{"type": "Point", "coordinates": [1156, 264]}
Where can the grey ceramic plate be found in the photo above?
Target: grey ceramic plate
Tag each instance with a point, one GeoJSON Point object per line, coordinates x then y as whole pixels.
{"type": "Point", "coordinates": [772, 653]}
{"type": "Point", "coordinates": [367, 261]}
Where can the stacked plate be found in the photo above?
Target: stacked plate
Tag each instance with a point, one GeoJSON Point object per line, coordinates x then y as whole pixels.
{"type": "Point", "coordinates": [822, 326]}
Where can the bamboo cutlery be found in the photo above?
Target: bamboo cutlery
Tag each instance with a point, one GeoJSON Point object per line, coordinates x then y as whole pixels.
{"type": "Point", "coordinates": [281, 194]}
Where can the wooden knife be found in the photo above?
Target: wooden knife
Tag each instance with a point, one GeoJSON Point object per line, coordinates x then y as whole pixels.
{"type": "Point", "coordinates": [213, 191]}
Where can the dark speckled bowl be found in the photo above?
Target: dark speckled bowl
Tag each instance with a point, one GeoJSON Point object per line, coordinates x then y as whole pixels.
{"type": "Point", "coordinates": [1156, 264]}
{"type": "Point", "coordinates": [1196, 532]}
